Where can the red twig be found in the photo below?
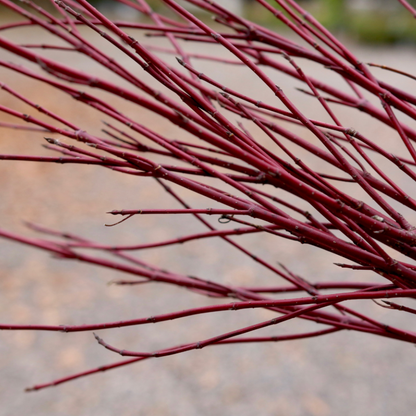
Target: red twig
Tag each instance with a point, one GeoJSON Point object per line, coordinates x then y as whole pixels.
{"type": "Point", "coordinates": [245, 168]}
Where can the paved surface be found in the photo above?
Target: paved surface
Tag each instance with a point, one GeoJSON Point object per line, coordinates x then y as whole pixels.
{"type": "Point", "coordinates": [341, 374]}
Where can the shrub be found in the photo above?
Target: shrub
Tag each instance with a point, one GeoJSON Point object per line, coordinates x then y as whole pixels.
{"type": "Point", "coordinates": [276, 172]}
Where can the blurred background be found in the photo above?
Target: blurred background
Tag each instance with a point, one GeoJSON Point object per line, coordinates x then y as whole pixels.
{"type": "Point", "coordinates": [341, 374]}
{"type": "Point", "coordinates": [368, 21]}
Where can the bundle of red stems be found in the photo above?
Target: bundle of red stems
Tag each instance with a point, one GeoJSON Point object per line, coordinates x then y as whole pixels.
{"type": "Point", "coordinates": [226, 155]}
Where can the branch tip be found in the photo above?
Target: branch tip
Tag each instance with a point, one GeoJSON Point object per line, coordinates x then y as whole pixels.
{"type": "Point", "coordinates": [52, 141]}
{"type": "Point", "coordinates": [386, 305]}
{"type": "Point", "coordinates": [119, 222]}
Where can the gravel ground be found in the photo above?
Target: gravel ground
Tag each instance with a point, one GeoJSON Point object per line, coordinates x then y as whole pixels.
{"type": "Point", "coordinates": [344, 374]}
